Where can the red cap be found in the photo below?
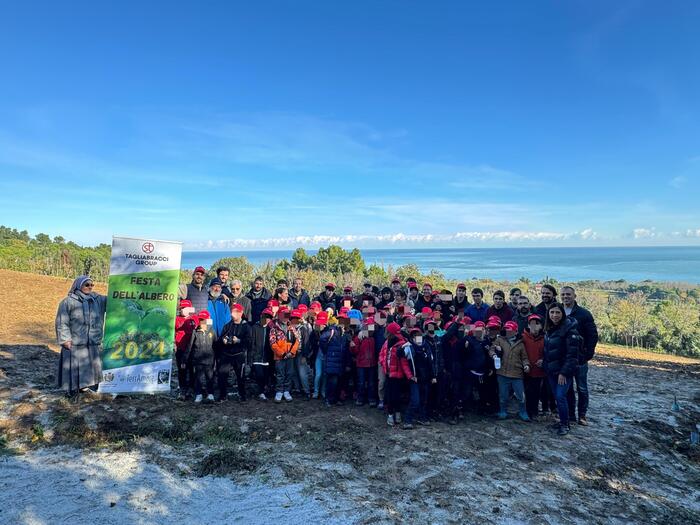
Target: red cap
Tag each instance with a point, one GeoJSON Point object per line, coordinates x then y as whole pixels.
{"type": "Point", "coordinates": [267, 311]}
{"type": "Point", "coordinates": [534, 317]}
{"type": "Point", "coordinates": [342, 315]}
{"type": "Point", "coordinates": [466, 320]}
{"type": "Point", "coordinates": [393, 328]}
{"type": "Point", "coordinates": [237, 307]}
{"type": "Point", "coordinates": [412, 285]}
{"type": "Point", "coordinates": [430, 320]}
{"type": "Point", "coordinates": [330, 285]}
{"type": "Point", "coordinates": [396, 280]}
{"type": "Point", "coordinates": [426, 311]}
{"type": "Point", "coordinates": [347, 289]}
{"type": "Point", "coordinates": [322, 318]}
{"type": "Point", "coordinates": [316, 305]}
{"type": "Point", "coordinates": [493, 324]}
{"type": "Point", "coordinates": [462, 286]}
{"type": "Point", "coordinates": [200, 269]}
{"type": "Point", "coordinates": [283, 308]}
{"type": "Point", "coordinates": [203, 315]}
{"type": "Point", "coordinates": [343, 310]}
{"type": "Point", "coordinates": [494, 319]}
{"type": "Point", "coordinates": [185, 303]}
{"type": "Point", "coordinates": [511, 325]}
{"type": "Point", "coordinates": [273, 302]}
{"type": "Point", "coordinates": [415, 331]}
{"type": "Point", "coordinates": [296, 314]}
{"type": "Point", "coordinates": [479, 324]}
{"type": "Point", "coordinates": [303, 308]}
{"type": "Point", "coordinates": [369, 320]}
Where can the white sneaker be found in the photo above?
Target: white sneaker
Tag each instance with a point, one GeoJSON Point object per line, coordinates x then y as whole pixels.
{"type": "Point", "coordinates": [198, 398]}
{"type": "Point", "coordinates": [287, 396]}
{"type": "Point", "coordinates": [278, 397]}
{"type": "Point", "coordinates": [390, 420]}
{"type": "Point", "coordinates": [210, 397]}
{"type": "Point", "coordinates": [262, 397]}
{"type": "Point", "coordinates": [397, 417]}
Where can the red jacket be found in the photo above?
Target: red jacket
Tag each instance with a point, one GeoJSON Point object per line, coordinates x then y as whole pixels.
{"type": "Point", "coordinates": [365, 356]}
{"type": "Point", "coordinates": [184, 326]}
{"type": "Point", "coordinates": [504, 314]}
{"type": "Point", "coordinates": [395, 367]}
{"type": "Point", "coordinates": [534, 346]}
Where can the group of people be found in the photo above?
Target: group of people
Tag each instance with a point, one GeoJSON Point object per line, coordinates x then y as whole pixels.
{"type": "Point", "coordinates": [418, 354]}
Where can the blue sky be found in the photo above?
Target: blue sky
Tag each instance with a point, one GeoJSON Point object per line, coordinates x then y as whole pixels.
{"type": "Point", "coordinates": [277, 124]}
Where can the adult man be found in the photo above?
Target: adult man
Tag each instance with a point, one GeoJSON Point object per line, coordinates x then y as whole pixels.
{"type": "Point", "coordinates": [522, 313]}
{"type": "Point", "coordinates": [395, 285]}
{"type": "Point", "coordinates": [499, 308]}
{"type": "Point", "coordinates": [514, 294]}
{"type": "Point", "coordinates": [477, 310]}
{"type": "Point", "coordinates": [328, 298]}
{"type": "Point", "coordinates": [347, 299]}
{"type": "Point", "coordinates": [366, 299]}
{"type": "Point", "coordinates": [219, 311]}
{"type": "Point", "coordinates": [196, 292]}
{"type": "Point", "coordinates": [549, 295]}
{"type": "Point", "coordinates": [412, 290]}
{"type": "Point", "coordinates": [589, 332]}
{"type": "Point", "coordinates": [298, 295]}
{"type": "Point", "coordinates": [426, 298]}
{"type": "Point", "coordinates": [223, 272]}
{"type": "Point", "coordinates": [237, 297]}
{"type": "Point", "coordinates": [258, 296]}
{"type": "Point", "coordinates": [459, 301]}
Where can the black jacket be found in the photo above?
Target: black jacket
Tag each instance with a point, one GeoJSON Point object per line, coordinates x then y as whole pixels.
{"type": "Point", "coordinates": [201, 348]}
{"type": "Point", "coordinates": [226, 347]}
{"type": "Point", "coordinates": [434, 346]}
{"type": "Point", "coordinates": [258, 303]}
{"type": "Point", "coordinates": [561, 347]}
{"type": "Point", "coordinates": [302, 298]}
{"type": "Point", "coordinates": [422, 359]}
{"type": "Point", "coordinates": [260, 351]}
{"type": "Point", "coordinates": [325, 301]}
{"type": "Point", "coordinates": [588, 330]}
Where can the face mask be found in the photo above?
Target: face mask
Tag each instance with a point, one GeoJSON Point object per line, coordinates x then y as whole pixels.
{"type": "Point", "coordinates": [431, 331]}
{"type": "Point", "coordinates": [419, 340]}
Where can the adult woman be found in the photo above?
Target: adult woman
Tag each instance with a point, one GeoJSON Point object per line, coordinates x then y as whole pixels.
{"type": "Point", "coordinates": [561, 344]}
{"type": "Point", "coordinates": [79, 330]}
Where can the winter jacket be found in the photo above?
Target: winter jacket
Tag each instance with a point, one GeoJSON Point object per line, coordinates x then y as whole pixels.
{"type": "Point", "coordinates": [504, 314]}
{"type": "Point", "coordinates": [301, 298]}
{"type": "Point", "coordinates": [360, 301]}
{"type": "Point", "coordinates": [364, 352]}
{"type": "Point", "coordinates": [421, 303]}
{"type": "Point", "coordinates": [476, 355]}
{"type": "Point", "coordinates": [334, 347]}
{"type": "Point", "coordinates": [434, 346]}
{"type": "Point", "coordinates": [200, 350]}
{"type": "Point", "coordinates": [284, 340]}
{"type": "Point", "coordinates": [393, 360]}
{"type": "Point", "coordinates": [541, 310]}
{"type": "Point", "coordinates": [477, 313]}
{"type": "Point", "coordinates": [184, 326]}
{"type": "Point", "coordinates": [226, 347]}
{"type": "Point", "coordinates": [513, 357]}
{"type": "Point", "coordinates": [199, 296]}
{"type": "Point", "coordinates": [587, 329]}
{"type": "Point", "coordinates": [561, 346]}
{"type": "Point", "coordinates": [220, 314]}
{"type": "Point", "coordinates": [421, 360]}
{"type": "Point", "coordinates": [258, 302]}
{"type": "Point", "coordinates": [458, 307]}
{"type": "Point", "coordinates": [534, 346]}
{"type": "Point", "coordinates": [326, 301]}
{"type": "Point", "coordinates": [260, 350]}
{"type": "Point", "coordinates": [80, 319]}
{"type": "Point", "coordinates": [522, 321]}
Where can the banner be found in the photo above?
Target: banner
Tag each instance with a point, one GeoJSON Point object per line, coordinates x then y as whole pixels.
{"type": "Point", "coordinates": [142, 301]}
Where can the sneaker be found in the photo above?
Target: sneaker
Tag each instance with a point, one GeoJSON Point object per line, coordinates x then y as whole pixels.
{"type": "Point", "coordinates": [278, 397]}
{"type": "Point", "coordinates": [563, 430]}
{"type": "Point", "coordinates": [524, 416]}
{"type": "Point", "coordinates": [210, 398]}
{"type": "Point", "coordinates": [397, 417]}
{"type": "Point", "coordinates": [314, 395]}
{"type": "Point", "coordinates": [583, 421]}
{"type": "Point", "coordinates": [390, 420]}
{"type": "Point", "coordinates": [262, 397]}
{"type": "Point", "coordinates": [502, 415]}
{"type": "Point", "coordinates": [407, 426]}
{"type": "Point", "coordinates": [198, 398]}
{"type": "Point", "coordinates": [372, 404]}
{"type": "Point", "coordinates": [380, 405]}
{"type": "Point", "coordinates": [359, 403]}
{"type": "Point", "coordinates": [287, 396]}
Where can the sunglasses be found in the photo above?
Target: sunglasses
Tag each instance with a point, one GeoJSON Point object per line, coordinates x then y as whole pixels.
{"type": "Point", "coordinates": [88, 285]}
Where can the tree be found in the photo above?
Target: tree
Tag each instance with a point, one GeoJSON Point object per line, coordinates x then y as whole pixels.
{"type": "Point", "coordinates": [301, 259]}
{"type": "Point", "coordinates": [240, 267]}
{"type": "Point", "coordinates": [631, 318]}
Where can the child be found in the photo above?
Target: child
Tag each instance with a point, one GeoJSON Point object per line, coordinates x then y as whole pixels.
{"type": "Point", "coordinates": [513, 362]}
{"type": "Point", "coordinates": [334, 348]}
{"type": "Point", "coordinates": [261, 353]}
{"type": "Point", "coordinates": [366, 363]}
{"type": "Point", "coordinates": [284, 341]}
{"type": "Point", "coordinates": [232, 349]}
{"type": "Point", "coordinates": [533, 339]}
{"type": "Point", "coordinates": [438, 388]}
{"type": "Point", "coordinates": [396, 369]}
{"type": "Point", "coordinates": [201, 351]}
{"type": "Point", "coordinates": [423, 376]}
{"type": "Point", "coordinates": [185, 324]}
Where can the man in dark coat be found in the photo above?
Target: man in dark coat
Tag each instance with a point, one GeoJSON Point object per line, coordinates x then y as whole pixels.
{"type": "Point", "coordinates": [259, 296]}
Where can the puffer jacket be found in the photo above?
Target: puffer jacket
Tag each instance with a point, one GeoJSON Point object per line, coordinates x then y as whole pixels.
{"type": "Point", "coordinates": [422, 361]}
{"type": "Point", "coordinates": [534, 346]}
{"type": "Point", "coordinates": [477, 355]}
{"type": "Point", "coordinates": [242, 331]}
{"type": "Point", "coordinates": [434, 346]}
{"type": "Point", "coordinates": [561, 347]}
{"type": "Point", "coordinates": [301, 298]}
{"type": "Point", "coordinates": [80, 320]}
{"type": "Point", "coordinates": [258, 302]}
{"type": "Point", "coordinates": [513, 358]}
{"type": "Point", "coordinates": [200, 349]}
{"type": "Point", "coordinates": [260, 351]}
{"type": "Point", "coordinates": [393, 360]}
{"type": "Point", "coordinates": [284, 340]}
{"type": "Point", "coordinates": [220, 314]}
{"type": "Point", "coordinates": [364, 352]}
{"type": "Point", "coordinates": [333, 301]}
{"type": "Point", "coordinates": [334, 347]}
{"type": "Point", "coordinates": [184, 326]}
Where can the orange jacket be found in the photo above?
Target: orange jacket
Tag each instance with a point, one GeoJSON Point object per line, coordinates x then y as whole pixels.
{"type": "Point", "coordinates": [284, 341]}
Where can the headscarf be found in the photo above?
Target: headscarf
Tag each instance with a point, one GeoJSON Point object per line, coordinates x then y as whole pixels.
{"type": "Point", "coordinates": [87, 299]}
{"type": "Point", "coordinates": [78, 284]}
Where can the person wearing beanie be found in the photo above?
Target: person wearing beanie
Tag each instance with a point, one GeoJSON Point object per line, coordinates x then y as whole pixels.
{"type": "Point", "coordinates": [261, 357]}
{"type": "Point", "coordinates": [511, 367]}
{"type": "Point", "coordinates": [200, 350]}
{"type": "Point", "coordinates": [217, 307]}
{"type": "Point", "coordinates": [397, 370]}
{"type": "Point", "coordinates": [284, 341]}
{"type": "Point", "coordinates": [232, 352]}
{"type": "Point", "coordinates": [185, 323]}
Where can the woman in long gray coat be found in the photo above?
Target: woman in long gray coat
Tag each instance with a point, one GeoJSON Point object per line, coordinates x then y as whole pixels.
{"type": "Point", "coordinates": [79, 329]}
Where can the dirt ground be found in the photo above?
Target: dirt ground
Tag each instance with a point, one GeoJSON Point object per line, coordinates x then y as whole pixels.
{"type": "Point", "coordinates": [153, 459]}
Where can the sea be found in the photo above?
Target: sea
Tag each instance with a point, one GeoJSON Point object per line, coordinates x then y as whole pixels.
{"type": "Point", "coordinates": [633, 264]}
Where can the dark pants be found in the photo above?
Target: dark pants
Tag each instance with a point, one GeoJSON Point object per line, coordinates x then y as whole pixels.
{"type": "Point", "coordinates": [560, 397]}
{"type": "Point", "coordinates": [457, 388]}
{"type": "Point", "coordinates": [488, 393]}
{"type": "Point", "coordinates": [534, 389]}
{"type": "Point", "coordinates": [549, 404]}
{"type": "Point", "coordinates": [392, 394]}
{"type": "Point", "coordinates": [226, 363]}
{"type": "Point", "coordinates": [185, 376]}
{"type": "Point", "coordinates": [437, 398]}
{"type": "Point", "coordinates": [332, 388]}
{"type": "Point", "coordinates": [581, 380]}
{"type": "Point", "coordinates": [413, 402]}
{"type": "Point", "coordinates": [367, 384]}
{"type": "Point", "coordinates": [204, 378]}
{"type": "Point", "coordinates": [261, 374]}
{"type": "Point", "coordinates": [423, 393]}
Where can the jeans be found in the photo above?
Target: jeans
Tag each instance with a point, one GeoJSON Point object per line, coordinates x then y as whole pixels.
{"type": "Point", "coordinates": [367, 384]}
{"type": "Point", "coordinates": [284, 369]}
{"type": "Point", "coordinates": [302, 373]}
{"type": "Point", "coordinates": [581, 380]}
{"type": "Point", "coordinates": [413, 402]}
{"type": "Point", "coordinates": [203, 379]}
{"type": "Point", "coordinates": [559, 392]}
{"type": "Point", "coordinates": [332, 388]}
{"type": "Point", "coordinates": [381, 384]}
{"type": "Point", "coordinates": [226, 363]}
{"type": "Point", "coordinates": [534, 390]}
{"type": "Point", "coordinates": [505, 384]}
{"type": "Point", "coordinates": [320, 376]}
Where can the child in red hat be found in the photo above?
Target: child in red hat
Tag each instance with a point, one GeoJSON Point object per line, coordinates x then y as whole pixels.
{"type": "Point", "coordinates": [201, 351]}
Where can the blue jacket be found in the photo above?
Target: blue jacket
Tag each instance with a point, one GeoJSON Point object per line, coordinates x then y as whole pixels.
{"type": "Point", "coordinates": [476, 314]}
{"type": "Point", "coordinates": [336, 353]}
{"type": "Point", "coordinates": [220, 315]}
{"type": "Point", "coordinates": [302, 298]}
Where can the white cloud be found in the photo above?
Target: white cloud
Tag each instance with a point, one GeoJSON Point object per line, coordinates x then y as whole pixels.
{"type": "Point", "coordinates": [692, 233]}
{"type": "Point", "coordinates": [644, 233]}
